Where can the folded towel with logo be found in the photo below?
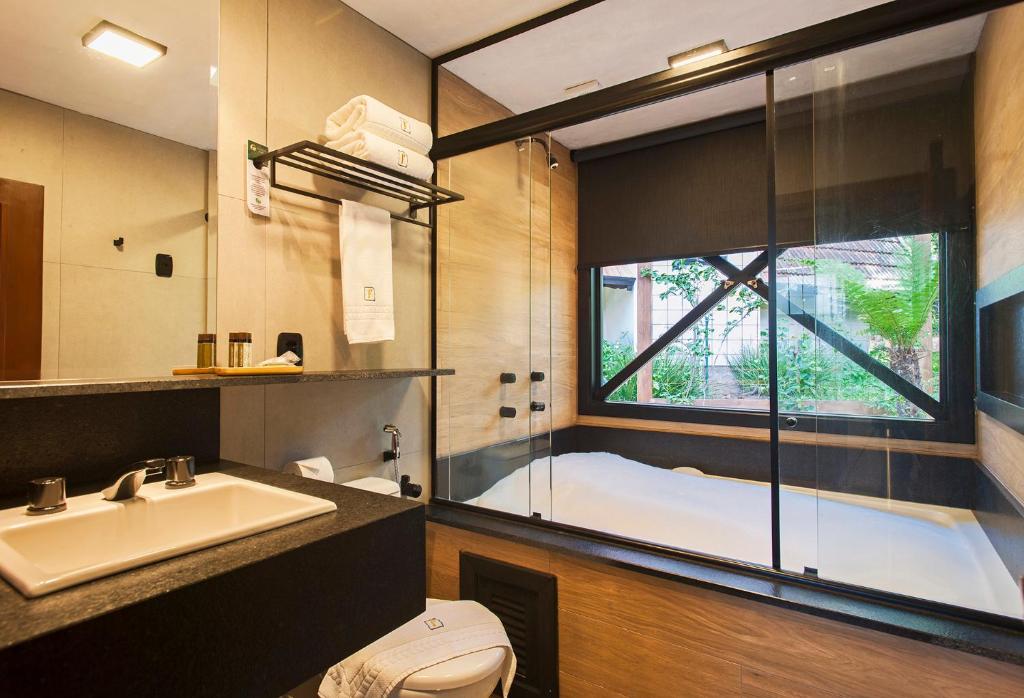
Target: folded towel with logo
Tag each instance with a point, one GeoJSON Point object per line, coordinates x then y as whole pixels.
{"type": "Point", "coordinates": [444, 631]}
{"type": "Point", "coordinates": [372, 116]}
{"type": "Point", "coordinates": [368, 307]}
{"type": "Point", "coordinates": [368, 146]}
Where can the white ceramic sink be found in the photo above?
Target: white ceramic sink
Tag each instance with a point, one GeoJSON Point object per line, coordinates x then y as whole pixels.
{"type": "Point", "coordinates": [95, 538]}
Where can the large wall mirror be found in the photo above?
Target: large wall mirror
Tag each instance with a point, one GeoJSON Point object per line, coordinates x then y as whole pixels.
{"type": "Point", "coordinates": [108, 146]}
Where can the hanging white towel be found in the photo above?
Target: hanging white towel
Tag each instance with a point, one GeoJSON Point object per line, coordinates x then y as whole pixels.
{"type": "Point", "coordinates": [443, 632]}
{"type": "Point", "coordinates": [366, 113]}
{"type": "Point", "coordinates": [366, 288]}
{"type": "Point", "coordinates": [368, 146]}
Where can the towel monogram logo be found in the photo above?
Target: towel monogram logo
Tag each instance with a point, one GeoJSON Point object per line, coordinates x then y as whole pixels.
{"type": "Point", "coordinates": [403, 158]}
{"type": "Point", "coordinates": [369, 293]}
{"type": "Point", "coordinates": [433, 623]}
{"type": "Point", "coordinates": [406, 126]}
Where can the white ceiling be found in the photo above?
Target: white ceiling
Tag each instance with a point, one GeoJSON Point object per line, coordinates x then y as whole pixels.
{"type": "Point", "coordinates": [619, 40]}
{"type": "Point", "coordinates": [855, 65]}
{"type": "Point", "coordinates": [41, 55]}
{"type": "Point", "coordinates": [434, 27]}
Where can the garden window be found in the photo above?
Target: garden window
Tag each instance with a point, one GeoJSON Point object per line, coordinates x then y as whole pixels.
{"type": "Point", "coordinates": [862, 337]}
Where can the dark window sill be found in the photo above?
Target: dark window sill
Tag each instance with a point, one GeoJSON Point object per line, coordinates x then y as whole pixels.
{"type": "Point", "coordinates": [975, 632]}
{"type": "Point", "coordinates": [945, 431]}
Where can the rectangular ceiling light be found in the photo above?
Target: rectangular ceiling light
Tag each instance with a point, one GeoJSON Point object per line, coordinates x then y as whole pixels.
{"type": "Point", "coordinates": [123, 44]}
{"type": "Point", "coordinates": [698, 54]}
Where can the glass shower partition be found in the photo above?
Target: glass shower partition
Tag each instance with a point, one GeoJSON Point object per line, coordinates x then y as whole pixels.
{"type": "Point", "coordinates": [493, 328]}
{"type": "Point", "coordinates": [874, 164]}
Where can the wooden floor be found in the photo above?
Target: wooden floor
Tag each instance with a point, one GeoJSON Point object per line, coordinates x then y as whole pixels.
{"type": "Point", "coordinates": [626, 634]}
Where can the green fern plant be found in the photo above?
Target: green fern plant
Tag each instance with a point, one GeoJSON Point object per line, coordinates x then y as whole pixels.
{"type": "Point", "coordinates": [896, 314]}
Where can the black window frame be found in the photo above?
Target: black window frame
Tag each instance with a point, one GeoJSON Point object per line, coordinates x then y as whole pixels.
{"type": "Point", "coordinates": [954, 422]}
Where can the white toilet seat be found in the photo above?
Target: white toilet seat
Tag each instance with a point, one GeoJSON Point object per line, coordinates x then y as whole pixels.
{"type": "Point", "coordinates": [459, 673]}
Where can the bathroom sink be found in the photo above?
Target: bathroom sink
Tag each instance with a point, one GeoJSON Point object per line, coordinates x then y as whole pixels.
{"type": "Point", "coordinates": [95, 538]}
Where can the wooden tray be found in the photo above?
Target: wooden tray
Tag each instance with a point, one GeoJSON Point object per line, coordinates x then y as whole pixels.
{"type": "Point", "coordinates": [258, 371]}
{"type": "Point", "coordinates": [191, 371]}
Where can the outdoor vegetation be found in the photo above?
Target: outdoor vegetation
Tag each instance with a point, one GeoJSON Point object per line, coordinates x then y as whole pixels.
{"type": "Point", "coordinates": [895, 325]}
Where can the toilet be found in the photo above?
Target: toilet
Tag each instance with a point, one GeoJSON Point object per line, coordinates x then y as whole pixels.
{"type": "Point", "coordinates": [472, 675]}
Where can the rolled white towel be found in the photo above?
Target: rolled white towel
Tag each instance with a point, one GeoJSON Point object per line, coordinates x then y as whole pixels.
{"type": "Point", "coordinates": [372, 116]}
{"type": "Point", "coordinates": [369, 146]}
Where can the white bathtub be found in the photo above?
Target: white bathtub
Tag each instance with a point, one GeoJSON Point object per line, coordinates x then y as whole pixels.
{"type": "Point", "coordinates": [931, 552]}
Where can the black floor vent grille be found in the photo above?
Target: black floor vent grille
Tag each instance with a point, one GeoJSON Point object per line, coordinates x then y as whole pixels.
{"type": "Point", "coordinates": [527, 604]}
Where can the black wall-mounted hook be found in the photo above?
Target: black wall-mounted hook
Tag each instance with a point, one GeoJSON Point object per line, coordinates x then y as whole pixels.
{"type": "Point", "coordinates": [507, 412]}
{"type": "Point", "coordinates": [537, 376]}
{"type": "Point", "coordinates": [119, 242]}
{"type": "Point", "coordinates": [507, 378]}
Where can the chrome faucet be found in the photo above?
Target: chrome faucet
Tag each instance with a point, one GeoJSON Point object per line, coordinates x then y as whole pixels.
{"type": "Point", "coordinates": [178, 472]}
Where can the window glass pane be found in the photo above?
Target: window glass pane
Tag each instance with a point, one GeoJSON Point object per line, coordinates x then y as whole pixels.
{"type": "Point", "coordinates": [640, 303]}
{"type": "Point", "coordinates": [881, 294]}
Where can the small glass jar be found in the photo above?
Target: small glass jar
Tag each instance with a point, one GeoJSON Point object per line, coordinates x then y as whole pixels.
{"type": "Point", "coordinates": [240, 349]}
{"type": "Point", "coordinates": [206, 350]}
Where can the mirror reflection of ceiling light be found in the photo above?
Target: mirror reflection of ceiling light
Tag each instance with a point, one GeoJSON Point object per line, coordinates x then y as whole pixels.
{"type": "Point", "coordinates": [697, 54]}
{"type": "Point", "coordinates": [122, 44]}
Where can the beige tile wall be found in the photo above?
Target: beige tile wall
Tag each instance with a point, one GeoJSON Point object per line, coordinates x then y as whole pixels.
{"type": "Point", "coordinates": [284, 66]}
{"type": "Point", "coordinates": [105, 313]}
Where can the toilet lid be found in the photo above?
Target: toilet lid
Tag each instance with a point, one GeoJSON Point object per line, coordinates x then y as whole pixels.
{"type": "Point", "coordinates": [458, 672]}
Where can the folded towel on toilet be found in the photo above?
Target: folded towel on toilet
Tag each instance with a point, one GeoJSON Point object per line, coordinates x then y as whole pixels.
{"type": "Point", "coordinates": [444, 631]}
{"type": "Point", "coordinates": [368, 146]}
{"type": "Point", "coordinates": [367, 290]}
{"type": "Point", "coordinates": [372, 116]}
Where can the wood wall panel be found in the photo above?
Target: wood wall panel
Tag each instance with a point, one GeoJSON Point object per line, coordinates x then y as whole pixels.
{"type": "Point", "coordinates": [999, 161]}
{"type": "Point", "coordinates": [639, 665]}
{"type": "Point", "coordinates": [572, 686]}
{"type": "Point", "coordinates": [637, 635]}
{"type": "Point", "coordinates": [506, 282]}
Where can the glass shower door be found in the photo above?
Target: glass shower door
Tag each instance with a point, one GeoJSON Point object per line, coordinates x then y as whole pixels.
{"type": "Point", "coordinates": [798, 371]}
{"type": "Point", "coordinates": [875, 196]}
{"type": "Point", "coordinates": [540, 371]}
{"type": "Point", "coordinates": [491, 329]}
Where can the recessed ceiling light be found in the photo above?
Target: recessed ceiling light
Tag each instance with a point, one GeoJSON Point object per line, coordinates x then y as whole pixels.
{"type": "Point", "coordinates": [792, 78]}
{"type": "Point", "coordinates": [580, 88]}
{"type": "Point", "coordinates": [698, 54]}
{"type": "Point", "coordinates": [123, 44]}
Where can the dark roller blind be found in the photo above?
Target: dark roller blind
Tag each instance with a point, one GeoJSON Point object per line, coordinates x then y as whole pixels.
{"type": "Point", "coordinates": [686, 198]}
{"type": "Point", "coordinates": [878, 158]}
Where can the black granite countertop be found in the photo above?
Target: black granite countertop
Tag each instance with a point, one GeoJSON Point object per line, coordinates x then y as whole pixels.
{"type": "Point", "coordinates": [23, 619]}
{"type": "Point", "coordinates": [107, 386]}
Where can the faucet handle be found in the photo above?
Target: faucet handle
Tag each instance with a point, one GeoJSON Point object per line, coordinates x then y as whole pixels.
{"type": "Point", "coordinates": [180, 472]}
{"type": "Point", "coordinates": [46, 495]}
